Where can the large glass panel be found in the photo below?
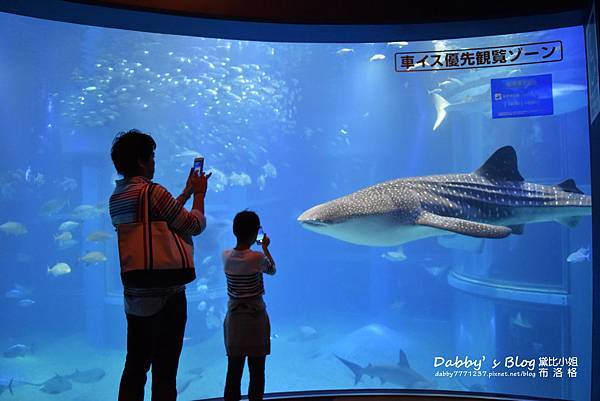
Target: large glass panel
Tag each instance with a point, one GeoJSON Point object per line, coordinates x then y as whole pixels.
{"type": "Point", "coordinates": [382, 289]}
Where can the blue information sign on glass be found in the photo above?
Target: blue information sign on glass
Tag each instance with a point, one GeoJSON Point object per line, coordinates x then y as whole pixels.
{"type": "Point", "coordinates": [522, 96]}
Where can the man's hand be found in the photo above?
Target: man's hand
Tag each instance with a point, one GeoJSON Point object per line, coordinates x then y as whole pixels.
{"type": "Point", "coordinates": [189, 190]}
{"type": "Point", "coordinates": [199, 182]}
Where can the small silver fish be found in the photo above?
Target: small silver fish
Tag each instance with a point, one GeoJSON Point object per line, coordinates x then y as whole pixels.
{"type": "Point", "coordinates": [17, 350]}
{"type": "Point", "coordinates": [345, 50]}
{"type": "Point", "coordinates": [377, 57]}
{"type": "Point", "coordinates": [395, 256]}
{"type": "Point", "coordinates": [26, 302]}
{"type": "Point", "coordinates": [580, 255]}
{"type": "Point", "coordinates": [17, 292]}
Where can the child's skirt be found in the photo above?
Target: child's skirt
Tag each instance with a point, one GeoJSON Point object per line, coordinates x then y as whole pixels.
{"type": "Point", "coordinates": [247, 328]}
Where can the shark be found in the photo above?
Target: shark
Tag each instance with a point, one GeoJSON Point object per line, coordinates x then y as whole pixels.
{"type": "Point", "coordinates": [475, 96]}
{"type": "Point", "coordinates": [400, 374]}
{"type": "Point", "coordinates": [492, 202]}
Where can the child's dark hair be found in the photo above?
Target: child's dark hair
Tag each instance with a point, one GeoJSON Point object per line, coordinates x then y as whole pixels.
{"type": "Point", "coordinates": [129, 147]}
{"type": "Point", "coordinates": [245, 225]}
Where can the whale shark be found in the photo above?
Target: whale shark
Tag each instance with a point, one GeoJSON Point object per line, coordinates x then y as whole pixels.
{"type": "Point", "coordinates": [494, 201]}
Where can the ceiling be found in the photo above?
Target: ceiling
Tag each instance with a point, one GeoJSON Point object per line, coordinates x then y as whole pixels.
{"type": "Point", "coordinates": [349, 11]}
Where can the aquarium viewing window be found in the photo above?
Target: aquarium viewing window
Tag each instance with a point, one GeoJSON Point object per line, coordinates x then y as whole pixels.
{"type": "Point", "coordinates": [428, 201]}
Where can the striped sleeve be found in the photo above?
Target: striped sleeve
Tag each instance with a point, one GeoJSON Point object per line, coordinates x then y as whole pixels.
{"type": "Point", "coordinates": [266, 266]}
{"type": "Point", "coordinates": [166, 207]}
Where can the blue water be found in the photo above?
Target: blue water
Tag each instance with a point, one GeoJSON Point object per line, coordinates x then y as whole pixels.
{"type": "Point", "coordinates": [284, 127]}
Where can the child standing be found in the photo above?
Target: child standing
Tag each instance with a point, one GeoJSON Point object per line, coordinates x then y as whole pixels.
{"type": "Point", "coordinates": [246, 327]}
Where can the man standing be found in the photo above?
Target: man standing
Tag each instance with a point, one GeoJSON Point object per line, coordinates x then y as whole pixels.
{"type": "Point", "coordinates": [156, 256]}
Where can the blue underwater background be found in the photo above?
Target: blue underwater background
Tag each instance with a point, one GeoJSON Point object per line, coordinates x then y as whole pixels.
{"type": "Point", "coordinates": [284, 127]}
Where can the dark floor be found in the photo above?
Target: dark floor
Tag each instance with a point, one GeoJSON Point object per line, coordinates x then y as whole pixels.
{"type": "Point", "coordinates": [392, 395]}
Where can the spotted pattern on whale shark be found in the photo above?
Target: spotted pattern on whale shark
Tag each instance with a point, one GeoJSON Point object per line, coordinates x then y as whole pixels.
{"type": "Point", "coordinates": [492, 202]}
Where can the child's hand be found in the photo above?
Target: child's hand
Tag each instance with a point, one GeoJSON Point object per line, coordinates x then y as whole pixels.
{"type": "Point", "coordinates": [265, 242]}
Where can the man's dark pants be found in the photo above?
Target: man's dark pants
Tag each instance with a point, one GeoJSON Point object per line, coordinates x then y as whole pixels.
{"type": "Point", "coordinates": [154, 341]}
{"type": "Point", "coordinates": [235, 368]}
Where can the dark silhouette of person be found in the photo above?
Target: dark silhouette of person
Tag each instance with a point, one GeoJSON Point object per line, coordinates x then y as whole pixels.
{"type": "Point", "coordinates": [153, 275]}
{"type": "Point", "coordinates": [246, 327]}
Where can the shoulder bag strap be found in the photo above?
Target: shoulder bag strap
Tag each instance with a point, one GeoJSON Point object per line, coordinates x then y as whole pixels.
{"type": "Point", "coordinates": [148, 191]}
{"type": "Point", "coordinates": [142, 219]}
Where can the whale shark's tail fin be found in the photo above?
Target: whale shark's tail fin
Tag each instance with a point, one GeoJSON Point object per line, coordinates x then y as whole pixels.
{"type": "Point", "coordinates": [501, 166]}
{"type": "Point", "coordinates": [356, 369]}
{"type": "Point", "coordinates": [440, 107]}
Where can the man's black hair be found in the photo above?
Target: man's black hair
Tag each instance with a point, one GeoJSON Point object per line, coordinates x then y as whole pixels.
{"type": "Point", "coordinates": [245, 225]}
{"type": "Point", "coordinates": [129, 147]}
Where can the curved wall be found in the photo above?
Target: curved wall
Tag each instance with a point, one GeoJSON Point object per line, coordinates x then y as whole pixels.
{"type": "Point", "coordinates": [285, 125]}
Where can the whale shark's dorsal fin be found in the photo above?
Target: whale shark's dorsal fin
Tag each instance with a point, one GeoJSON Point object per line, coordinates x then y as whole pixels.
{"type": "Point", "coordinates": [403, 360]}
{"type": "Point", "coordinates": [501, 166]}
{"type": "Point", "coordinates": [569, 186]}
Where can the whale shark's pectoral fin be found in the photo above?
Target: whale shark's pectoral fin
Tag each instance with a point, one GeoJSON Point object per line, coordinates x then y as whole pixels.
{"type": "Point", "coordinates": [460, 226]}
{"type": "Point", "coordinates": [517, 229]}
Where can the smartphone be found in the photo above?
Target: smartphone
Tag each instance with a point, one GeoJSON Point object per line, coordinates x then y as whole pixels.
{"type": "Point", "coordinates": [260, 236]}
{"type": "Point", "coordinates": [199, 164]}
